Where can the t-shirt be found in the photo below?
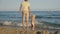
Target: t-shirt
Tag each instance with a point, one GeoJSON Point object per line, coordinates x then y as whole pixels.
{"type": "Point", "coordinates": [25, 6]}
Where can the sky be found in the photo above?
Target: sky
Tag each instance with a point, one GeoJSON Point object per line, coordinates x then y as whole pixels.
{"type": "Point", "coordinates": [40, 5]}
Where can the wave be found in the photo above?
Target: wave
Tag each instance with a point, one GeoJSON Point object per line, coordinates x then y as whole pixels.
{"type": "Point", "coordinates": [48, 17]}
{"type": "Point", "coordinates": [45, 24]}
{"type": "Point", "coordinates": [37, 23]}
{"type": "Point", "coordinates": [10, 23]}
{"type": "Point", "coordinates": [49, 23]}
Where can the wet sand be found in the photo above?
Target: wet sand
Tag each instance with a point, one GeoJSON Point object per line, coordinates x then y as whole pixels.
{"type": "Point", "coordinates": [11, 30]}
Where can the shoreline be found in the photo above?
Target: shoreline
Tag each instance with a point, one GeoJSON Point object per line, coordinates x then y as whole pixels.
{"type": "Point", "coordinates": [7, 29]}
{"type": "Point", "coordinates": [29, 28]}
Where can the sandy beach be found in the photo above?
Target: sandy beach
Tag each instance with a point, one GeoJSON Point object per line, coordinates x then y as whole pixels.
{"type": "Point", "coordinates": [15, 30]}
{"type": "Point", "coordinates": [11, 30]}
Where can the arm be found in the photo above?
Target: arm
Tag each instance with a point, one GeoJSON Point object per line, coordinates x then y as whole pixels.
{"type": "Point", "coordinates": [20, 8]}
{"type": "Point", "coordinates": [29, 10]}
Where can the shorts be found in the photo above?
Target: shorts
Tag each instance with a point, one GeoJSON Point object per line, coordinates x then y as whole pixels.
{"type": "Point", "coordinates": [25, 14]}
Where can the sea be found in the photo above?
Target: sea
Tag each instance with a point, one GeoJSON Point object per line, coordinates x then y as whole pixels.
{"type": "Point", "coordinates": [16, 16]}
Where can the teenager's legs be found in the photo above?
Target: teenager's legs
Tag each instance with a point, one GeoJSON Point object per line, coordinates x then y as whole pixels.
{"type": "Point", "coordinates": [23, 19]}
{"type": "Point", "coordinates": [27, 17]}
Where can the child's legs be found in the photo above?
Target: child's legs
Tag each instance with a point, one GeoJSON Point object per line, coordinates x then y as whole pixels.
{"type": "Point", "coordinates": [27, 17]}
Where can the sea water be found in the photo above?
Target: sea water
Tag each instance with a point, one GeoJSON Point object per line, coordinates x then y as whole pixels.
{"type": "Point", "coordinates": [16, 16]}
